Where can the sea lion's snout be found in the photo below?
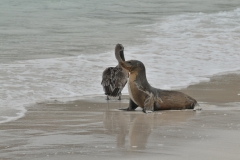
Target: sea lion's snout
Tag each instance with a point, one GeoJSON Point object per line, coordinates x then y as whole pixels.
{"type": "Point", "coordinates": [127, 65]}
{"type": "Point", "coordinates": [132, 65]}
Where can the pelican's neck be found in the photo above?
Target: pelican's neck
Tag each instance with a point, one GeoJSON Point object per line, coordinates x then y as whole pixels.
{"type": "Point", "coordinates": [119, 65]}
{"type": "Point", "coordinates": [122, 55]}
{"type": "Point", "coordinates": [119, 56]}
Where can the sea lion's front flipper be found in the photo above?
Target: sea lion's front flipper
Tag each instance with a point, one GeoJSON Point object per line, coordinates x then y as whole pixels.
{"type": "Point", "coordinates": [132, 106]}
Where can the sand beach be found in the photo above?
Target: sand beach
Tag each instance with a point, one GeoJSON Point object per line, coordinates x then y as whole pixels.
{"type": "Point", "coordinates": [92, 128]}
{"type": "Point", "coordinates": [53, 53]}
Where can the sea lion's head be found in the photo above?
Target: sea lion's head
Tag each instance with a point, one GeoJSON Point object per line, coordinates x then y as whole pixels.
{"type": "Point", "coordinates": [119, 53]}
{"type": "Point", "coordinates": [133, 66]}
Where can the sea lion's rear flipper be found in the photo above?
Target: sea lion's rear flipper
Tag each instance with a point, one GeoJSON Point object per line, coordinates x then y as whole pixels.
{"type": "Point", "coordinates": [197, 107]}
{"type": "Point", "coordinates": [132, 106]}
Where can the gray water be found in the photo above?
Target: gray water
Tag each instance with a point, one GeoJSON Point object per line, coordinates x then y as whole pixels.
{"type": "Point", "coordinates": [31, 29]}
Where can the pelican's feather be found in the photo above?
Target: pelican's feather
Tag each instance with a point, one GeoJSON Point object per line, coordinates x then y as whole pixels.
{"type": "Point", "coordinates": [113, 80]}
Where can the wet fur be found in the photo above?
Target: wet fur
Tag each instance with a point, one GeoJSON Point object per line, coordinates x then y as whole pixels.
{"type": "Point", "coordinates": [150, 98]}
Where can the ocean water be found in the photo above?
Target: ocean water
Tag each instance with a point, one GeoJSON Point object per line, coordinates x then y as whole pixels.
{"type": "Point", "coordinates": [57, 50]}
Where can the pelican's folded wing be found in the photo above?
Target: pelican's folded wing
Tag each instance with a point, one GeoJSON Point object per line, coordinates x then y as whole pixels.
{"type": "Point", "coordinates": [120, 80]}
{"type": "Point", "coordinates": [107, 81]}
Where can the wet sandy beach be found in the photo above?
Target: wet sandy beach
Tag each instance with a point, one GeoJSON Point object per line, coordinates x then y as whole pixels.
{"type": "Point", "coordinates": [92, 128]}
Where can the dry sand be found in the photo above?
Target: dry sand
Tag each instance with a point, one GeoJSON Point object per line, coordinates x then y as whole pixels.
{"type": "Point", "coordinates": [94, 129]}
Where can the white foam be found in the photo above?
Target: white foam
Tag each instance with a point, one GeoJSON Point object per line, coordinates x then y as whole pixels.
{"type": "Point", "coordinates": [191, 47]}
{"type": "Point", "coordinates": [180, 50]}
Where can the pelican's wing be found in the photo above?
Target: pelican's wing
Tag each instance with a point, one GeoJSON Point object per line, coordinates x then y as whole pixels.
{"type": "Point", "coordinates": [120, 80]}
{"type": "Point", "coordinates": [107, 80]}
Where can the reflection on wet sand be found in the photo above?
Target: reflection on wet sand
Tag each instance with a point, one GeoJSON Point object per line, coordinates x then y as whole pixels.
{"type": "Point", "coordinates": [140, 130]}
{"type": "Point", "coordinates": [116, 123]}
{"type": "Point", "coordinates": [139, 126]}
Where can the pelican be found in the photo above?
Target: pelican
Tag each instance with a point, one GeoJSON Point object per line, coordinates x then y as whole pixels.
{"type": "Point", "coordinates": [115, 78]}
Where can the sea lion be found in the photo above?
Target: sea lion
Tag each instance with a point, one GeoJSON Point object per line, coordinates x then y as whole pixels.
{"type": "Point", "coordinates": [142, 94]}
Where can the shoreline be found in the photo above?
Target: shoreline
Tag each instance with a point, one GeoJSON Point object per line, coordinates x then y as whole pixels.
{"type": "Point", "coordinates": [222, 88]}
{"type": "Point", "coordinates": [94, 128]}
{"type": "Point", "coordinates": [189, 89]}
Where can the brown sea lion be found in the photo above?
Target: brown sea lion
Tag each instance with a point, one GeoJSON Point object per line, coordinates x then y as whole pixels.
{"type": "Point", "coordinates": [142, 94]}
